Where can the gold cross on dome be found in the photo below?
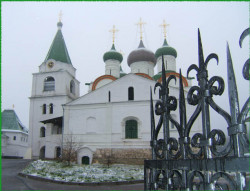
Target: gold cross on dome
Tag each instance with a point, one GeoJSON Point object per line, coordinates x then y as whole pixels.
{"type": "Point", "coordinates": [140, 23]}
{"type": "Point", "coordinates": [164, 26]}
{"type": "Point", "coordinates": [113, 33]}
{"type": "Point", "coordinates": [60, 16]}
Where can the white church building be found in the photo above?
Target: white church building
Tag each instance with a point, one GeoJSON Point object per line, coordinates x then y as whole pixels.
{"type": "Point", "coordinates": [112, 120]}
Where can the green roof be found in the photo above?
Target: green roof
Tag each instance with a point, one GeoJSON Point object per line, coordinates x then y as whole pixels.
{"type": "Point", "coordinates": [10, 121]}
{"type": "Point", "coordinates": [112, 54]}
{"type": "Point", "coordinates": [165, 50]}
{"type": "Point", "coordinates": [58, 50]}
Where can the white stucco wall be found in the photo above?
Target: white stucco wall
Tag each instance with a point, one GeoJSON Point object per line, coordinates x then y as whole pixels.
{"type": "Point", "coordinates": [112, 67]}
{"type": "Point", "coordinates": [143, 67]}
{"type": "Point", "coordinates": [170, 60]}
{"type": "Point", "coordinates": [63, 74]}
{"type": "Point", "coordinates": [96, 123]}
{"type": "Point", "coordinates": [14, 147]}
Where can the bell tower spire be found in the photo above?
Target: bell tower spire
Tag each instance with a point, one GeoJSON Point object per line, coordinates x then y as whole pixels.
{"type": "Point", "coordinates": [58, 50]}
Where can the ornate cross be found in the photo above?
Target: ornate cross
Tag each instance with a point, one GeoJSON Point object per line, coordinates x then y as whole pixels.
{"type": "Point", "coordinates": [164, 26]}
{"type": "Point", "coordinates": [140, 23]}
{"type": "Point", "coordinates": [60, 16]}
{"type": "Point", "coordinates": [113, 31]}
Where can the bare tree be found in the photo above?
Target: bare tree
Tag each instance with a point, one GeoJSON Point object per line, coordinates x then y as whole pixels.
{"type": "Point", "coordinates": [70, 147]}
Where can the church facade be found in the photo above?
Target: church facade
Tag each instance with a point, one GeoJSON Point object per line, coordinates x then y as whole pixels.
{"type": "Point", "coordinates": [110, 123]}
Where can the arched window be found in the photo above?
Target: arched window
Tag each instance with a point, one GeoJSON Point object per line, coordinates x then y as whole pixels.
{"type": "Point", "coordinates": [44, 108]}
{"type": "Point", "coordinates": [42, 131]}
{"type": "Point", "coordinates": [130, 93]}
{"type": "Point", "coordinates": [49, 84]}
{"type": "Point", "coordinates": [58, 152]}
{"type": "Point", "coordinates": [131, 129]}
{"type": "Point", "coordinates": [51, 108]}
{"type": "Point", "coordinates": [72, 87]}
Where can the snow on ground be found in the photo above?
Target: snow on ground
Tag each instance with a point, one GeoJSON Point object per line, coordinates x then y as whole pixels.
{"type": "Point", "coordinates": [84, 173]}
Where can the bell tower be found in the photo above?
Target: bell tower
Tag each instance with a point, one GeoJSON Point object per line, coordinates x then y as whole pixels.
{"type": "Point", "coordinates": [53, 85]}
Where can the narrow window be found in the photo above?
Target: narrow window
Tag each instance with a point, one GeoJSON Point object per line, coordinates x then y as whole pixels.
{"type": "Point", "coordinates": [130, 93]}
{"type": "Point", "coordinates": [42, 132]}
{"type": "Point", "coordinates": [44, 108]}
{"type": "Point", "coordinates": [14, 138]}
{"type": "Point", "coordinates": [131, 129]}
{"type": "Point", "coordinates": [109, 96]}
{"type": "Point", "coordinates": [49, 84]}
{"type": "Point", "coordinates": [72, 87]}
{"type": "Point", "coordinates": [51, 108]}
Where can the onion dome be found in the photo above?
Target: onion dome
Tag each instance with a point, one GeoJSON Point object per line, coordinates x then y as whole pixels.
{"type": "Point", "coordinates": [112, 54]}
{"type": "Point", "coordinates": [165, 50]}
{"type": "Point", "coordinates": [141, 54]}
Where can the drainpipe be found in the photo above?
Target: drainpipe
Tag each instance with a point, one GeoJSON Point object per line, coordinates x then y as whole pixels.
{"type": "Point", "coordinates": [62, 131]}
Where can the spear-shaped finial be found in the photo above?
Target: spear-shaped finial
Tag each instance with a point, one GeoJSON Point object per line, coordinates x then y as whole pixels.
{"type": "Point", "coordinates": [163, 76]}
{"type": "Point", "coordinates": [232, 89]}
{"type": "Point", "coordinates": [200, 51]}
{"type": "Point", "coordinates": [182, 105]}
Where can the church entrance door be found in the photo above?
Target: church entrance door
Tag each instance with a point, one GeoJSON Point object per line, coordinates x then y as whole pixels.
{"type": "Point", "coordinates": [85, 160]}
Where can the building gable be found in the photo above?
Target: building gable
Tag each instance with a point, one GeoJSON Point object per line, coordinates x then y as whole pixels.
{"type": "Point", "coordinates": [117, 91]}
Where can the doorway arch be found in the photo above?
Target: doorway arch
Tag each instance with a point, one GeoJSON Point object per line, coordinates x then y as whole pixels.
{"type": "Point", "coordinates": [42, 153]}
{"type": "Point", "coordinates": [85, 160]}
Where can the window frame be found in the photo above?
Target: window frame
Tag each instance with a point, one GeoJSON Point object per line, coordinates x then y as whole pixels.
{"type": "Point", "coordinates": [42, 132]}
{"type": "Point", "coordinates": [131, 93]}
{"type": "Point", "coordinates": [131, 129]}
{"type": "Point", "coordinates": [51, 108]}
{"type": "Point", "coordinates": [72, 87]}
{"type": "Point", "coordinates": [49, 84]}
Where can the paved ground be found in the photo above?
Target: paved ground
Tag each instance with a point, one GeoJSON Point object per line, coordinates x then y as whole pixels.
{"type": "Point", "coordinates": [11, 181]}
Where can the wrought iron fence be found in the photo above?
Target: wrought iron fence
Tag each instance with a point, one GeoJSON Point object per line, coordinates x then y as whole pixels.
{"type": "Point", "coordinates": [214, 164]}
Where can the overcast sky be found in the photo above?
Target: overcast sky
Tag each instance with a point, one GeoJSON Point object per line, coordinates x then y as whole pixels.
{"type": "Point", "coordinates": [28, 29]}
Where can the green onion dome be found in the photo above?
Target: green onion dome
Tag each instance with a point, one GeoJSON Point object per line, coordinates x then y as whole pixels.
{"type": "Point", "coordinates": [165, 50]}
{"type": "Point", "coordinates": [141, 54]}
{"type": "Point", "coordinates": [113, 55]}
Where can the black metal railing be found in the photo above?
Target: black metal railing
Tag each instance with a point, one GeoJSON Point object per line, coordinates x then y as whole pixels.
{"type": "Point", "coordinates": [205, 161]}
